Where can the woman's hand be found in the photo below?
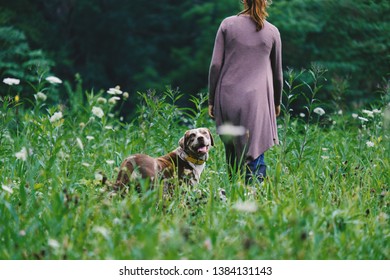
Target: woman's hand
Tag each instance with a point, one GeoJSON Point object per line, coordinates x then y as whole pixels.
{"type": "Point", "coordinates": [211, 111]}
{"type": "Point", "coordinates": [277, 110]}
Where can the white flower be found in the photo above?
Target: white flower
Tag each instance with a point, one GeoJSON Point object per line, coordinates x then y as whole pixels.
{"type": "Point", "coordinates": [370, 144]}
{"type": "Point", "coordinates": [114, 91]}
{"type": "Point", "coordinates": [22, 155]}
{"type": "Point", "coordinates": [109, 127]}
{"type": "Point", "coordinates": [98, 112]}
{"type": "Point", "coordinates": [117, 221]}
{"type": "Point", "coordinates": [376, 111]}
{"type": "Point", "coordinates": [56, 117]}
{"type": "Point", "coordinates": [246, 206]}
{"type": "Point", "coordinates": [98, 177]}
{"type": "Point", "coordinates": [355, 116]}
{"type": "Point", "coordinates": [125, 95]}
{"type": "Point", "coordinates": [231, 130]}
{"type": "Point", "coordinates": [101, 100]}
{"type": "Point", "coordinates": [79, 143]}
{"type": "Point", "coordinates": [113, 100]}
{"type": "Point", "coordinates": [53, 243]}
{"type": "Point", "coordinates": [11, 81]}
{"type": "Point", "coordinates": [7, 189]}
{"type": "Point", "coordinates": [110, 162]}
{"type": "Point", "coordinates": [363, 119]}
{"type": "Point", "coordinates": [319, 111]}
{"type": "Point", "coordinates": [102, 230]}
{"type": "Point", "coordinates": [324, 157]}
{"type": "Point", "coordinates": [325, 149]}
{"type": "Point", "coordinates": [340, 112]}
{"type": "Point", "coordinates": [89, 138]}
{"type": "Point", "coordinates": [40, 96]}
{"type": "Point", "coordinates": [53, 80]}
{"type": "Point", "coordinates": [302, 115]}
{"type": "Point", "coordinates": [368, 113]}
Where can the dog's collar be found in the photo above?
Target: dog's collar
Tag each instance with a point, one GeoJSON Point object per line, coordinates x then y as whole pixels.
{"type": "Point", "coordinates": [194, 160]}
{"type": "Point", "coordinates": [184, 156]}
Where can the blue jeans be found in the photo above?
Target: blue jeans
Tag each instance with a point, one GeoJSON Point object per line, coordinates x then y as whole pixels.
{"type": "Point", "coordinates": [256, 170]}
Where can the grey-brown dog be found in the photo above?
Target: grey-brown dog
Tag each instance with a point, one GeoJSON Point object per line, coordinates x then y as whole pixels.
{"type": "Point", "coordinates": [186, 162]}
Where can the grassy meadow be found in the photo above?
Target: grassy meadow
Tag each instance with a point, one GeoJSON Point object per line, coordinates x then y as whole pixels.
{"type": "Point", "coordinates": [326, 195]}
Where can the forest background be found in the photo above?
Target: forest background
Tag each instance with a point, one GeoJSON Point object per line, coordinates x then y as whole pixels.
{"type": "Point", "coordinates": [141, 45]}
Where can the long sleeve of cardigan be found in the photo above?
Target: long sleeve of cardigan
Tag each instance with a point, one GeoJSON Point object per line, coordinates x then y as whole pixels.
{"type": "Point", "coordinates": [276, 63]}
{"type": "Point", "coordinates": [216, 64]}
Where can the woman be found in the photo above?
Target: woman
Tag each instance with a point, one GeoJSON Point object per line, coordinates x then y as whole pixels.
{"type": "Point", "coordinates": [245, 85]}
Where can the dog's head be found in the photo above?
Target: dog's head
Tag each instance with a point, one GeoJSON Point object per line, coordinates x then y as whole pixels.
{"type": "Point", "coordinates": [197, 142]}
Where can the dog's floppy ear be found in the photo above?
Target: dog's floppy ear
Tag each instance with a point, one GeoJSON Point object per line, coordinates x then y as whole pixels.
{"type": "Point", "coordinates": [211, 137]}
{"type": "Point", "coordinates": [182, 141]}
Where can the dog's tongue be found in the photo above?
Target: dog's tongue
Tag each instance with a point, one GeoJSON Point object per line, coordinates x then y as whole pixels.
{"type": "Point", "coordinates": [202, 149]}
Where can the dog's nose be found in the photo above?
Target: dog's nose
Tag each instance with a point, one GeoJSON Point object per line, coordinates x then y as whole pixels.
{"type": "Point", "coordinates": [200, 139]}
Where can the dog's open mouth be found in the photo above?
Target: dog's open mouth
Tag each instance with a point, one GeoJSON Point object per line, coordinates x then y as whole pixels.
{"type": "Point", "coordinates": [203, 149]}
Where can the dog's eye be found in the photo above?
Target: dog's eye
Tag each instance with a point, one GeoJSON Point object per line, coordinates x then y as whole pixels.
{"type": "Point", "coordinates": [192, 135]}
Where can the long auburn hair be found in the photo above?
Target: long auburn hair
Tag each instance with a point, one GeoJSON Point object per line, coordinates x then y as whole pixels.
{"type": "Point", "coordinates": [257, 11]}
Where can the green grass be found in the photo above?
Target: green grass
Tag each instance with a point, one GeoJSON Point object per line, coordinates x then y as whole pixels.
{"type": "Point", "coordinates": [326, 197]}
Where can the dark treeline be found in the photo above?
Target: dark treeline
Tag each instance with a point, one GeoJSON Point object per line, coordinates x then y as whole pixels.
{"type": "Point", "coordinates": [152, 44]}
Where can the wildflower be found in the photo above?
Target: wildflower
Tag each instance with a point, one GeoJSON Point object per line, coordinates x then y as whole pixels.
{"type": "Point", "coordinates": [79, 143]}
{"type": "Point", "coordinates": [117, 221]}
{"type": "Point", "coordinates": [17, 98]}
{"type": "Point", "coordinates": [102, 230]}
{"type": "Point", "coordinates": [302, 115]}
{"type": "Point", "coordinates": [246, 206]}
{"type": "Point", "coordinates": [324, 157]}
{"type": "Point", "coordinates": [110, 162]}
{"type": "Point", "coordinates": [54, 243]}
{"type": "Point", "coordinates": [40, 96]}
{"type": "Point", "coordinates": [113, 100]}
{"type": "Point", "coordinates": [363, 119]}
{"type": "Point", "coordinates": [114, 91]}
{"type": "Point", "coordinates": [376, 111]}
{"type": "Point", "coordinates": [86, 164]}
{"type": "Point", "coordinates": [319, 111]}
{"type": "Point", "coordinates": [231, 130]}
{"type": "Point", "coordinates": [355, 116]}
{"type": "Point", "coordinates": [109, 127]}
{"type": "Point", "coordinates": [82, 125]}
{"type": "Point", "coordinates": [98, 112]}
{"type": "Point", "coordinates": [340, 112]}
{"type": "Point", "coordinates": [22, 233]}
{"type": "Point", "coordinates": [7, 189]}
{"type": "Point", "coordinates": [22, 155]}
{"type": "Point", "coordinates": [101, 100]}
{"type": "Point", "coordinates": [325, 149]}
{"type": "Point", "coordinates": [89, 138]}
{"type": "Point", "coordinates": [98, 177]}
{"type": "Point", "coordinates": [56, 117]}
{"type": "Point", "coordinates": [11, 81]}
{"type": "Point", "coordinates": [368, 113]}
{"type": "Point", "coordinates": [53, 80]}
{"type": "Point", "coordinates": [370, 144]}
{"type": "Point", "coordinates": [125, 95]}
